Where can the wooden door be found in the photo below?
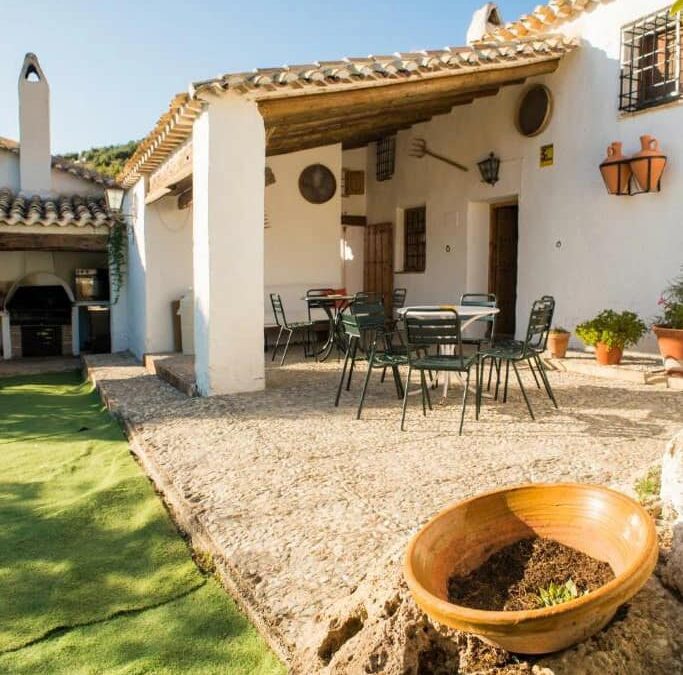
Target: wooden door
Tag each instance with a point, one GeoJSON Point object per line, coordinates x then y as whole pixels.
{"type": "Point", "coordinates": [503, 239]}
{"type": "Point", "coordinates": [378, 267]}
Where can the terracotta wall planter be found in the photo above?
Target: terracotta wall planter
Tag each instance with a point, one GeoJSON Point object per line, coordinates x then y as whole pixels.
{"type": "Point", "coordinates": [557, 344]}
{"type": "Point", "coordinates": [648, 180]}
{"type": "Point", "coordinates": [608, 356]}
{"type": "Point", "coordinates": [600, 522]}
{"type": "Point", "coordinates": [615, 170]}
{"type": "Point", "coordinates": [670, 342]}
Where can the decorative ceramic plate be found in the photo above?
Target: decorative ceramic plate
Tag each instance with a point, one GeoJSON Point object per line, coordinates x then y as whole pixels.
{"type": "Point", "coordinates": [317, 184]}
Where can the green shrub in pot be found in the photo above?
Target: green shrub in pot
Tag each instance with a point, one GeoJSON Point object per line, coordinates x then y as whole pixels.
{"type": "Point", "coordinates": [609, 332]}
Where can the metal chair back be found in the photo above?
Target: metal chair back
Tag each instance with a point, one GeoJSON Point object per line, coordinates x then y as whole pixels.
{"type": "Point", "coordinates": [482, 300]}
{"type": "Point", "coordinates": [368, 297]}
{"type": "Point", "coordinates": [362, 318]}
{"type": "Point", "coordinates": [398, 298]}
{"type": "Point", "coordinates": [278, 310]}
{"type": "Point", "coordinates": [540, 321]}
{"type": "Point", "coordinates": [431, 327]}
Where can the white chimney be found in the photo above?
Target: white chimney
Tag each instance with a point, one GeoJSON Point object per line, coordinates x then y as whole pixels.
{"type": "Point", "coordinates": [35, 160]}
{"type": "Point", "coordinates": [484, 20]}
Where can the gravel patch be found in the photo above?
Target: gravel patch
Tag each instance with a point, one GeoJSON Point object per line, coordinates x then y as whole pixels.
{"type": "Point", "coordinates": [303, 499]}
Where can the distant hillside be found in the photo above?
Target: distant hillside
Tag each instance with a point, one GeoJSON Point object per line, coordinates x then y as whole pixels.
{"type": "Point", "coordinates": [108, 160]}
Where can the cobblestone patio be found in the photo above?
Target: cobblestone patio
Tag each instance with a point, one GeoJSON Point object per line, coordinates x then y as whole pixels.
{"type": "Point", "coordinates": [302, 499]}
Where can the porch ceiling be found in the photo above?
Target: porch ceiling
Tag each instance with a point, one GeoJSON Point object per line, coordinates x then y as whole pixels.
{"type": "Point", "coordinates": [354, 101]}
{"type": "Point", "coordinates": [358, 117]}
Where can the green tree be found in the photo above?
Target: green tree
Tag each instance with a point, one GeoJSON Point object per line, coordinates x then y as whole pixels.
{"type": "Point", "coordinates": [108, 160]}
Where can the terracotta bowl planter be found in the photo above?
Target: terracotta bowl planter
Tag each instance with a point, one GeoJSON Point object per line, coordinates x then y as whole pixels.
{"type": "Point", "coordinates": [608, 356]}
{"type": "Point", "coordinates": [557, 344]}
{"type": "Point", "coordinates": [670, 342]}
{"type": "Point", "coordinates": [600, 522]}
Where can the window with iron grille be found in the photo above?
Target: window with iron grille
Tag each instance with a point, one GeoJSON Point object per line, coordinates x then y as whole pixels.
{"type": "Point", "coordinates": [650, 61]}
{"type": "Point", "coordinates": [415, 246]}
{"type": "Point", "coordinates": [386, 157]}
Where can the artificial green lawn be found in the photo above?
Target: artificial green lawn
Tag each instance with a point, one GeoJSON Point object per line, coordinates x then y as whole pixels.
{"type": "Point", "coordinates": [93, 576]}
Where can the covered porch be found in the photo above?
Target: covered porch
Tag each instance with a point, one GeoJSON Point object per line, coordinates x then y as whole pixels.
{"type": "Point", "coordinates": [204, 218]}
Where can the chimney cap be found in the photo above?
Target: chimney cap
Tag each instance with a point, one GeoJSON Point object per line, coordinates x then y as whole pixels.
{"type": "Point", "coordinates": [31, 66]}
{"type": "Point", "coordinates": [484, 20]}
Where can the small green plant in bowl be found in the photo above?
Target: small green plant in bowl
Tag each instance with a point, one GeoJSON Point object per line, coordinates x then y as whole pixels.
{"type": "Point", "coordinates": [610, 332]}
{"type": "Point", "coordinates": [559, 329]}
{"type": "Point", "coordinates": [556, 594]}
{"type": "Point", "coordinates": [558, 341]}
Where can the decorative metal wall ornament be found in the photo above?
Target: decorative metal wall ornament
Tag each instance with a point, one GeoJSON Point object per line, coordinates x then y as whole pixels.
{"type": "Point", "coordinates": [534, 110]}
{"type": "Point", "coordinates": [419, 149]}
{"type": "Point", "coordinates": [317, 184]}
{"type": "Point", "coordinates": [489, 169]}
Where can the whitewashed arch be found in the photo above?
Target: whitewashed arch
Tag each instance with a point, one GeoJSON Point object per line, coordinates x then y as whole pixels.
{"type": "Point", "coordinates": [39, 279]}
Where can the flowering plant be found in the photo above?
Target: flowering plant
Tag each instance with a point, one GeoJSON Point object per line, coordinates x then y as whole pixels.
{"type": "Point", "coordinates": [672, 304]}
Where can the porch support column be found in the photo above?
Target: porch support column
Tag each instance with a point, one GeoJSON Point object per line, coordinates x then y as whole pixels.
{"type": "Point", "coordinates": [6, 336]}
{"type": "Point", "coordinates": [75, 331]}
{"type": "Point", "coordinates": [228, 242]}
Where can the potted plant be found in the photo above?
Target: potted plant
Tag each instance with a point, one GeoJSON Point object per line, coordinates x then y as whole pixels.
{"type": "Point", "coordinates": [558, 340]}
{"type": "Point", "coordinates": [609, 332]}
{"type": "Point", "coordinates": [668, 327]}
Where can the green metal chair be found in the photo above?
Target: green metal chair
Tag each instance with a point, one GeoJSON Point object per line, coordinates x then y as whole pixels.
{"type": "Point", "coordinates": [482, 300]}
{"type": "Point", "coordinates": [528, 350]}
{"type": "Point", "coordinates": [365, 328]}
{"type": "Point", "coordinates": [290, 328]}
{"type": "Point", "coordinates": [428, 328]}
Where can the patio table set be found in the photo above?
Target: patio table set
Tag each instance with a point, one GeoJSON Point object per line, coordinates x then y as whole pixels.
{"type": "Point", "coordinates": [428, 339]}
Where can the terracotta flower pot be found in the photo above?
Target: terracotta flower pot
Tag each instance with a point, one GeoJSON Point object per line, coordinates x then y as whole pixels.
{"type": "Point", "coordinates": [604, 524]}
{"type": "Point", "coordinates": [670, 343]}
{"type": "Point", "coordinates": [652, 155]}
{"type": "Point", "coordinates": [615, 170]}
{"type": "Point", "coordinates": [557, 344]}
{"type": "Point", "coordinates": [608, 356]}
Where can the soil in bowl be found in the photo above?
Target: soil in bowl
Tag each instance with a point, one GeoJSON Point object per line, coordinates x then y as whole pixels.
{"type": "Point", "coordinates": [512, 578]}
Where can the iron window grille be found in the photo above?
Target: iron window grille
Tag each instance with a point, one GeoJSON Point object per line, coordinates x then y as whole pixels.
{"type": "Point", "coordinates": [386, 158]}
{"type": "Point", "coordinates": [415, 248]}
{"type": "Point", "coordinates": [650, 61]}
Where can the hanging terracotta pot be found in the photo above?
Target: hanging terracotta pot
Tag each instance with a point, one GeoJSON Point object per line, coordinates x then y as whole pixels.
{"type": "Point", "coordinates": [648, 164]}
{"type": "Point", "coordinates": [615, 170]}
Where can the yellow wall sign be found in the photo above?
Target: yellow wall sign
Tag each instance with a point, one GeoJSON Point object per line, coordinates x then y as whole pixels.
{"type": "Point", "coordinates": [547, 155]}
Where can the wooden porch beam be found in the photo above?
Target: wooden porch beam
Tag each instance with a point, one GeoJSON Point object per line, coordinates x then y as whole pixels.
{"type": "Point", "coordinates": [29, 241]}
{"type": "Point", "coordinates": [302, 108]}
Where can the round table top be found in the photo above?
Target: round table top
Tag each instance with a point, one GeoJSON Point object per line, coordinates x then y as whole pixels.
{"type": "Point", "coordinates": [334, 297]}
{"type": "Point", "coordinates": [464, 311]}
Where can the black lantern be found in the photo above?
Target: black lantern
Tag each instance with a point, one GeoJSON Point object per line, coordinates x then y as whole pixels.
{"type": "Point", "coordinates": [114, 196]}
{"type": "Point", "coordinates": [489, 169]}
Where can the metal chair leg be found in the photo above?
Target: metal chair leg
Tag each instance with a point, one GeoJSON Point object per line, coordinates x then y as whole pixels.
{"type": "Point", "coordinates": [405, 398]}
{"type": "Point", "coordinates": [397, 381]}
{"type": "Point", "coordinates": [546, 381]}
{"type": "Point", "coordinates": [371, 358]}
{"type": "Point", "coordinates": [429, 398]}
{"type": "Point", "coordinates": [284, 354]}
{"type": "Point", "coordinates": [354, 340]}
{"type": "Point", "coordinates": [507, 376]}
{"type": "Point", "coordinates": [341, 379]}
{"type": "Point", "coordinates": [384, 374]}
{"type": "Point", "coordinates": [277, 344]}
{"type": "Point", "coordinates": [498, 366]}
{"type": "Point", "coordinates": [521, 386]}
{"type": "Point", "coordinates": [488, 385]}
{"type": "Point", "coordinates": [533, 372]}
{"type": "Point", "coordinates": [464, 401]}
{"type": "Point", "coordinates": [423, 385]}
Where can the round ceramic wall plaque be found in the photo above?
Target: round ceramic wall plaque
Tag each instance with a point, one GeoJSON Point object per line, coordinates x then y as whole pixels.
{"type": "Point", "coordinates": [534, 110]}
{"type": "Point", "coordinates": [317, 184]}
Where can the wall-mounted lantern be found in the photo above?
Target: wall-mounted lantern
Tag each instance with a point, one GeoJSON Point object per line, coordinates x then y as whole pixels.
{"type": "Point", "coordinates": [489, 168]}
{"type": "Point", "coordinates": [114, 196]}
{"type": "Point", "coordinates": [633, 175]}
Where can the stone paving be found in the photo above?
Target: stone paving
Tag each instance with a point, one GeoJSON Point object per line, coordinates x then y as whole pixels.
{"type": "Point", "coordinates": [303, 499]}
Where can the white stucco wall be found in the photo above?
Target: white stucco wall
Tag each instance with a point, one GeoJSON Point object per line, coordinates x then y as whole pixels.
{"type": "Point", "coordinates": [134, 203]}
{"type": "Point", "coordinates": [615, 252]}
{"type": "Point", "coordinates": [168, 239]}
{"type": "Point", "coordinates": [62, 181]}
{"type": "Point", "coordinates": [302, 241]}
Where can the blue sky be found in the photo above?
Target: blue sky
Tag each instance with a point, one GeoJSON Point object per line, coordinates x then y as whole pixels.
{"type": "Point", "coordinates": [114, 66]}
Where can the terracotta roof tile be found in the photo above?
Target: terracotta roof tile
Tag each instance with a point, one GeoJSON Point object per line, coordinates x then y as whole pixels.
{"type": "Point", "coordinates": [62, 164]}
{"type": "Point", "coordinates": [74, 210]}
{"type": "Point", "coordinates": [543, 19]}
